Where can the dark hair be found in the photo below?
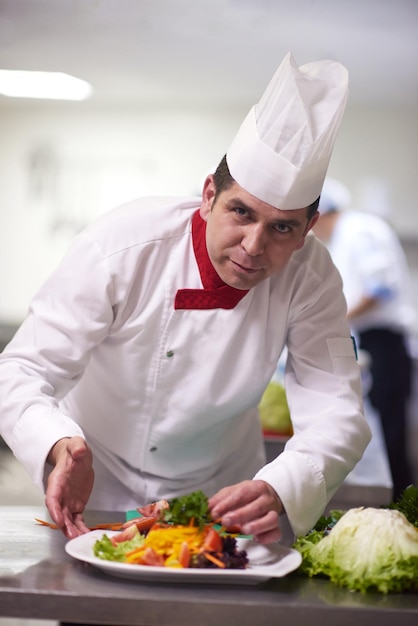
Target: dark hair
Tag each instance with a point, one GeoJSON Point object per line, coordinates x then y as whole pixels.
{"type": "Point", "coordinates": [222, 177]}
{"type": "Point", "coordinates": [223, 180]}
{"type": "Point", "coordinates": [313, 208]}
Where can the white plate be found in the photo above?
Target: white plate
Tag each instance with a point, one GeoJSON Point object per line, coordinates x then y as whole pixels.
{"type": "Point", "coordinates": [273, 561]}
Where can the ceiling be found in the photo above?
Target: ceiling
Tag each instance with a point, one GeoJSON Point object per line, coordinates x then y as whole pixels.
{"type": "Point", "coordinates": [215, 53]}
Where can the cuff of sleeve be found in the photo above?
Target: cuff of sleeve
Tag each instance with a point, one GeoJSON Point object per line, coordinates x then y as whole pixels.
{"type": "Point", "coordinates": [35, 434]}
{"type": "Point", "coordinates": [300, 486]}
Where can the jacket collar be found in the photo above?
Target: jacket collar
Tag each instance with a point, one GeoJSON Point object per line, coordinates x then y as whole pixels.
{"type": "Point", "coordinates": [215, 293]}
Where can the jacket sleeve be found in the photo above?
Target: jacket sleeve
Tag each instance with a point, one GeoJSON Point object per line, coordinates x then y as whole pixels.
{"type": "Point", "coordinates": [323, 390]}
{"type": "Point", "coordinates": [70, 314]}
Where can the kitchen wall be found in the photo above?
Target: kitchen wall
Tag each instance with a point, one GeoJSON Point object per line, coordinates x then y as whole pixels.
{"type": "Point", "coordinates": [63, 164]}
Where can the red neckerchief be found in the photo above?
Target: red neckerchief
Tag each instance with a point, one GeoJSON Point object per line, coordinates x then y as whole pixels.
{"type": "Point", "coordinates": [215, 293]}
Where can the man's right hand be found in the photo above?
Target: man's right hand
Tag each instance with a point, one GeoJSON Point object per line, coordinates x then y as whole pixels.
{"type": "Point", "coordinates": [69, 484]}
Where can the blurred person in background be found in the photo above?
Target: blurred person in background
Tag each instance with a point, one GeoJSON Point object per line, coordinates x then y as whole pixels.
{"type": "Point", "coordinates": [376, 283]}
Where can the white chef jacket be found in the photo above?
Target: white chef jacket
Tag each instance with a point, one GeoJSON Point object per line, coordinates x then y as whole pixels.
{"type": "Point", "coordinates": [372, 263]}
{"type": "Point", "coordinates": [166, 398]}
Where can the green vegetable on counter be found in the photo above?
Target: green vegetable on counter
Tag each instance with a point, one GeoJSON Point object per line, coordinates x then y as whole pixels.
{"type": "Point", "coordinates": [366, 549]}
{"type": "Point", "coordinates": [407, 504]}
{"type": "Point", "coordinates": [274, 411]}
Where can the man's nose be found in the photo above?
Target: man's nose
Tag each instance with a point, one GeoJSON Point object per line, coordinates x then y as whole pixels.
{"type": "Point", "coordinates": [253, 240]}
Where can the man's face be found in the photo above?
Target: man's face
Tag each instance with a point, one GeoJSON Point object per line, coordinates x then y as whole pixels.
{"type": "Point", "coordinates": [249, 240]}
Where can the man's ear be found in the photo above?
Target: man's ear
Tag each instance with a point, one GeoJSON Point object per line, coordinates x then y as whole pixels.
{"type": "Point", "coordinates": [208, 196]}
{"type": "Point", "coordinates": [312, 223]}
{"type": "Point", "coordinates": [309, 227]}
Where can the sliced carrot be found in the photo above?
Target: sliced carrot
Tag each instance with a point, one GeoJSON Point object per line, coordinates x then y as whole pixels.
{"type": "Point", "coordinates": [110, 526]}
{"type": "Point", "coordinates": [44, 523]}
{"type": "Point", "coordinates": [214, 560]}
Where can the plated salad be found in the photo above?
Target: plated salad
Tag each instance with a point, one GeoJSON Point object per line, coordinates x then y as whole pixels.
{"type": "Point", "coordinates": [174, 533]}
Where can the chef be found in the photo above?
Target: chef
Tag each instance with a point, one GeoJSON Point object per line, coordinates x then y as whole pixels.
{"type": "Point", "coordinates": [138, 370]}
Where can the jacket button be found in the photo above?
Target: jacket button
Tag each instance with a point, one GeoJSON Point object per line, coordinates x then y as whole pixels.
{"type": "Point", "coordinates": [153, 449]}
{"type": "Point", "coordinates": [169, 353]}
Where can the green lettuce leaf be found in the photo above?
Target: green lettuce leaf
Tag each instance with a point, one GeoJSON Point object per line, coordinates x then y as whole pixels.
{"type": "Point", "coordinates": [367, 549]}
{"type": "Point", "coordinates": [104, 549]}
{"type": "Point", "coordinates": [407, 503]}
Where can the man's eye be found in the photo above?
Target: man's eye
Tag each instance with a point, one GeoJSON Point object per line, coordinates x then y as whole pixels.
{"type": "Point", "coordinates": [283, 228]}
{"type": "Point", "coordinates": [240, 211]}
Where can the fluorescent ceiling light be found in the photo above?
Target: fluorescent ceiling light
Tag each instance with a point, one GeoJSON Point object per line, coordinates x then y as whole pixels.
{"type": "Point", "coordinates": [48, 85]}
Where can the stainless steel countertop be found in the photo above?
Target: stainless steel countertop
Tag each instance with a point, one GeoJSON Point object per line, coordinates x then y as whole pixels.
{"type": "Point", "coordinates": [38, 580]}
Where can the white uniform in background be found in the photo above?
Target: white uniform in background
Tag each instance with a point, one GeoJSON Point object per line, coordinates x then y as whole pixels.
{"type": "Point", "coordinates": [371, 261]}
{"type": "Point", "coordinates": [166, 398]}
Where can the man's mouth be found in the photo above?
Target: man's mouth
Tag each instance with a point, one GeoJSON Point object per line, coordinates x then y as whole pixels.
{"type": "Point", "coordinates": [245, 268]}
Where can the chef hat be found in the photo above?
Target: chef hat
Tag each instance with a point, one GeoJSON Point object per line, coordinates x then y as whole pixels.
{"type": "Point", "coordinates": [334, 196]}
{"type": "Point", "coordinates": [282, 150]}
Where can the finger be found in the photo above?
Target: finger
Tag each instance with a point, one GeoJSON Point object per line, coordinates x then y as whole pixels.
{"type": "Point", "coordinates": [80, 524]}
{"type": "Point", "coordinates": [70, 531]}
{"type": "Point", "coordinates": [74, 525]}
{"type": "Point", "coordinates": [79, 450]}
{"type": "Point", "coordinates": [254, 510]}
{"type": "Point", "coordinates": [54, 510]}
{"type": "Point", "coordinates": [71, 526]}
{"type": "Point", "coordinates": [257, 526]}
{"type": "Point", "coordinates": [268, 537]}
{"type": "Point", "coordinates": [241, 517]}
{"type": "Point", "coordinates": [230, 498]}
